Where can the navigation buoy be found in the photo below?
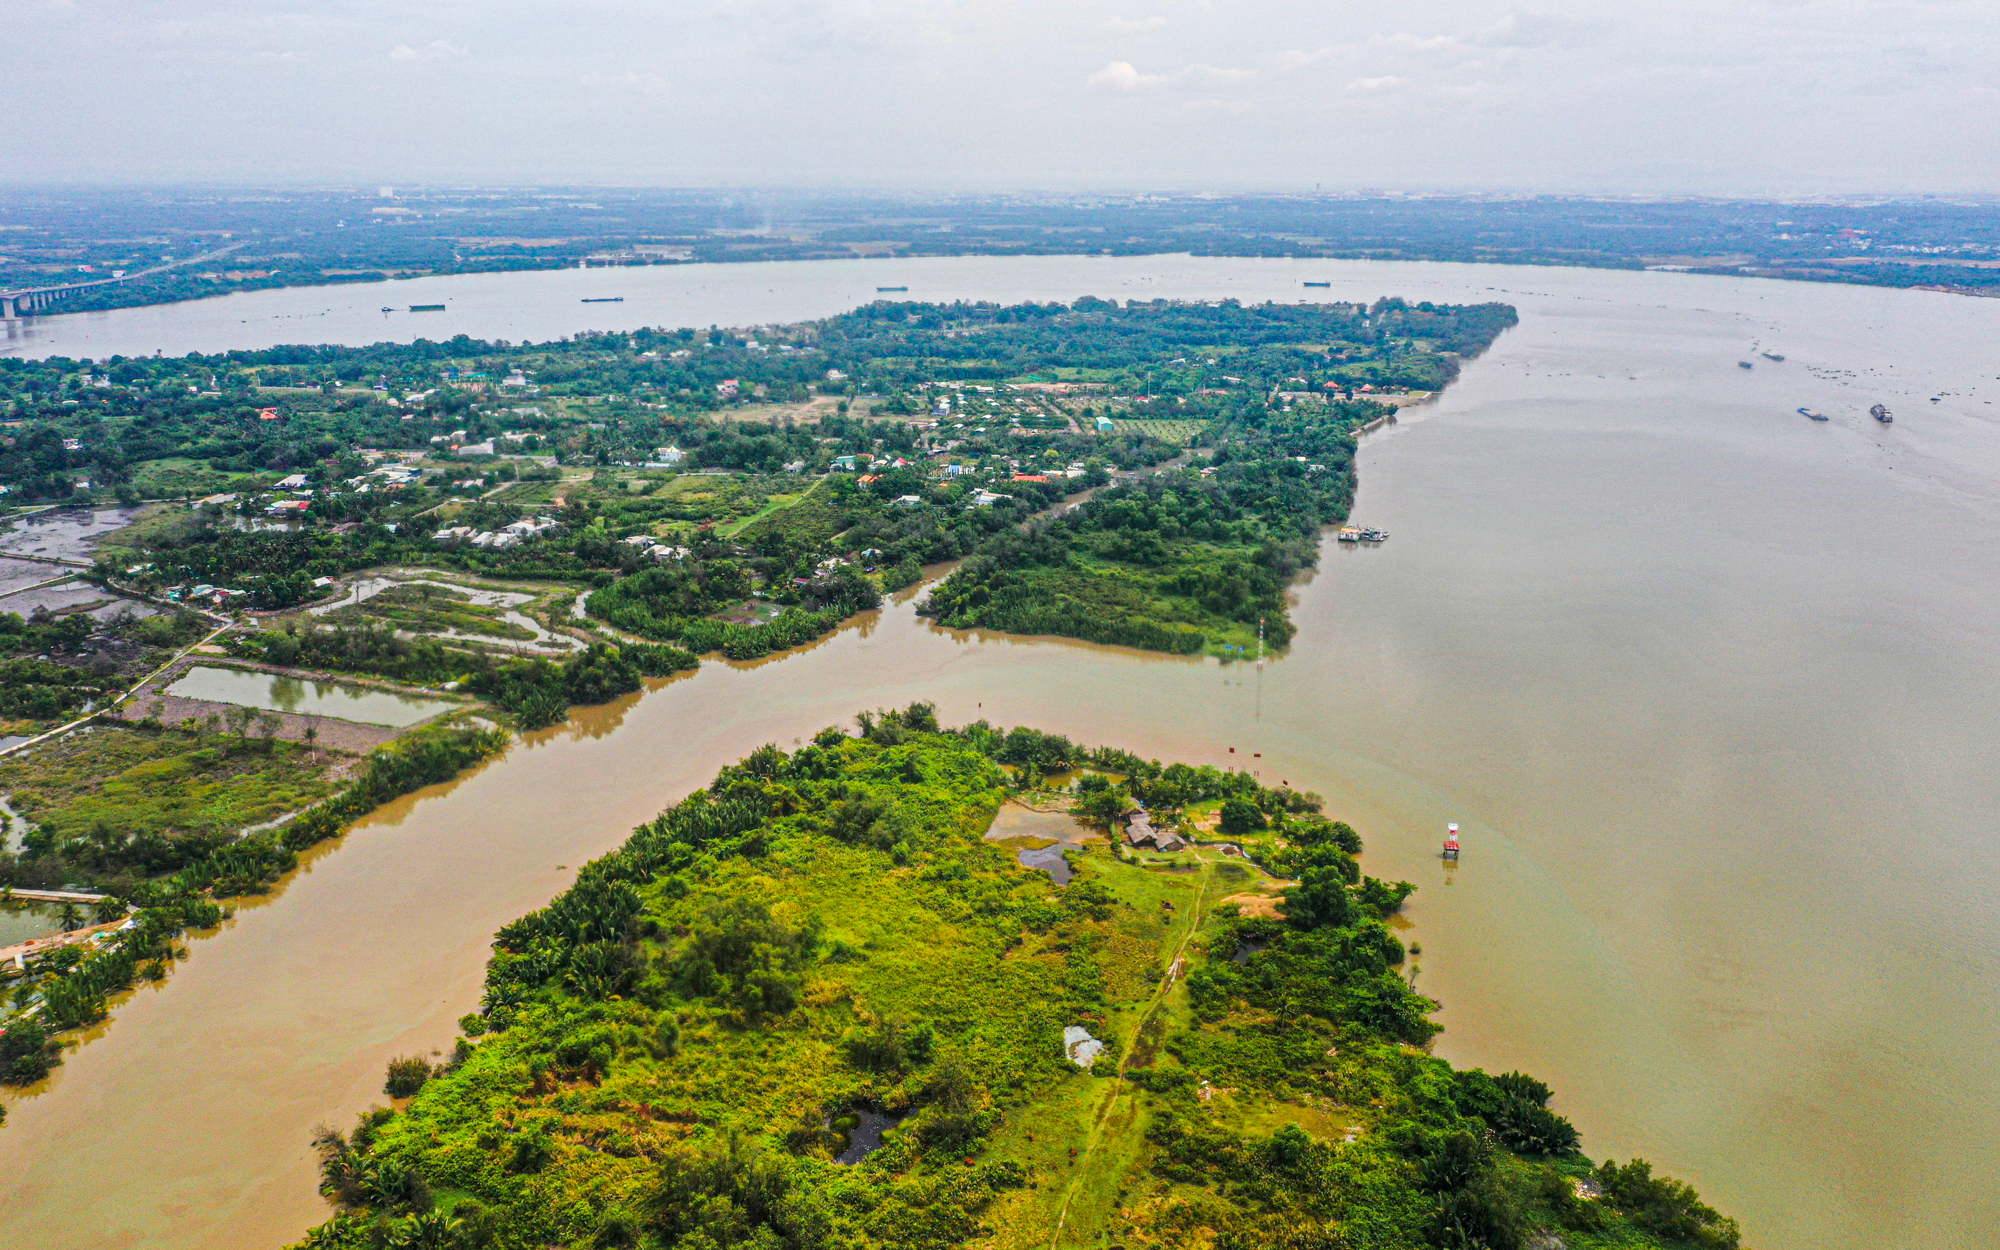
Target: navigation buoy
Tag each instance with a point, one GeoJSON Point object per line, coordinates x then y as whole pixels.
{"type": "Point", "coordinates": [1451, 841]}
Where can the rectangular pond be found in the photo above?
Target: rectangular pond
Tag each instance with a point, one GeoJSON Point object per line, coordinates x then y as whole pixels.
{"type": "Point", "coordinates": [305, 698]}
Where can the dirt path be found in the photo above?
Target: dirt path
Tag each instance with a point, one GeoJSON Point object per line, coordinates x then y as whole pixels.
{"type": "Point", "coordinates": [1116, 1090]}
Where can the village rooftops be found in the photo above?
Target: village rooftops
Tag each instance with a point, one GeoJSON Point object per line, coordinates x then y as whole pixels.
{"type": "Point", "coordinates": [1139, 831]}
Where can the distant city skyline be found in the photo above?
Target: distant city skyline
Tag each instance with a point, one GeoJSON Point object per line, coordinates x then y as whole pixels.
{"type": "Point", "coordinates": [1811, 98]}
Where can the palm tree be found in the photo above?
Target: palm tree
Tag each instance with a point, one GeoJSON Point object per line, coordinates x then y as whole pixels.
{"type": "Point", "coordinates": [72, 917]}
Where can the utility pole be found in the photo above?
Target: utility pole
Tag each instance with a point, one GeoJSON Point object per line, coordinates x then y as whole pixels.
{"type": "Point", "coordinates": [1260, 641]}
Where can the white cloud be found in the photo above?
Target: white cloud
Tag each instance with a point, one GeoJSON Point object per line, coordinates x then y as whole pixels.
{"type": "Point", "coordinates": [1121, 76]}
{"type": "Point", "coordinates": [435, 50]}
{"type": "Point", "coordinates": [1535, 30]}
{"type": "Point", "coordinates": [1297, 59]}
{"type": "Point", "coordinates": [1364, 86]}
{"type": "Point", "coordinates": [1404, 41]}
{"type": "Point", "coordinates": [1210, 76]}
{"type": "Point", "coordinates": [1133, 25]}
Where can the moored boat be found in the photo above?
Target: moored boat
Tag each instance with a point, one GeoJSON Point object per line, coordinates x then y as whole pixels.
{"type": "Point", "coordinates": [1817, 416]}
{"type": "Point", "coordinates": [1882, 414]}
{"type": "Point", "coordinates": [1772, 356]}
{"type": "Point", "coordinates": [1744, 364]}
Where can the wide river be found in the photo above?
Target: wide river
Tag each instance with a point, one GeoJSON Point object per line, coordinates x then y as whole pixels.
{"type": "Point", "coordinates": [1709, 687]}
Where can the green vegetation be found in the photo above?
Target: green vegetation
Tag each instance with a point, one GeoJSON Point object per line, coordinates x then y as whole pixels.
{"type": "Point", "coordinates": [540, 692]}
{"type": "Point", "coordinates": [52, 666]}
{"type": "Point", "coordinates": [109, 800]}
{"type": "Point", "coordinates": [674, 603]}
{"type": "Point", "coordinates": [678, 1050]}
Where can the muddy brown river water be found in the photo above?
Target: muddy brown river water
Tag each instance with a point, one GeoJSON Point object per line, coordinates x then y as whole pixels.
{"type": "Point", "coordinates": [1709, 688]}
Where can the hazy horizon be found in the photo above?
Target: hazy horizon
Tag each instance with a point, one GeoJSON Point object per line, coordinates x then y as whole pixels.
{"type": "Point", "coordinates": [1800, 100]}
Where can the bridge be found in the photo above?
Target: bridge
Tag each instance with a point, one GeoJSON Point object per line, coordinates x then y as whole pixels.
{"type": "Point", "coordinates": [27, 301]}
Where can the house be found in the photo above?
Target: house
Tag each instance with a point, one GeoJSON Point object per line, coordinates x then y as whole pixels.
{"type": "Point", "coordinates": [267, 414]}
{"type": "Point", "coordinates": [641, 541]}
{"type": "Point", "coordinates": [294, 482]}
{"type": "Point", "coordinates": [1106, 425]}
{"type": "Point", "coordinates": [456, 534]}
{"type": "Point", "coordinates": [477, 449]}
{"type": "Point", "coordinates": [987, 498]}
{"type": "Point", "coordinates": [216, 501]}
{"type": "Point", "coordinates": [1139, 831]}
{"type": "Point", "coordinates": [866, 479]}
{"type": "Point", "coordinates": [726, 388]}
{"type": "Point", "coordinates": [1030, 477]}
{"type": "Point", "coordinates": [289, 507]}
{"type": "Point", "coordinates": [908, 501]}
{"type": "Point", "coordinates": [664, 552]}
{"type": "Point", "coordinates": [845, 464]}
{"type": "Point", "coordinates": [666, 457]}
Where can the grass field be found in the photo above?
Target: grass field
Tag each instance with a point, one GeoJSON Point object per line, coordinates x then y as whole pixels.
{"type": "Point", "coordinates": [136, 783]}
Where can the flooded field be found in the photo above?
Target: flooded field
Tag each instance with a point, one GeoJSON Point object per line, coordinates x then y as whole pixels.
{"type": "Point", "coordinates": [306, 698]}
{"type": "Point", "coordinates": [64, 533]}
{"type": "Point", "coordinates": [73, 596]}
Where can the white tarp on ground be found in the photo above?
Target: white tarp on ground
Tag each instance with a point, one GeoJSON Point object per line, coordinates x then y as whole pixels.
{"type": "Point", "coordinates": [1082, 1047]}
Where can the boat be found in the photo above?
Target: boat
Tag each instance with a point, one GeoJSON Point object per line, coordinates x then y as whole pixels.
{"type": "Point", "coordinates": [892, 288]}
{"type": "Point", "coordinates": [1807, 412]}
{"type": "Point", "coordinates": [1882, 414]}
{"type": "Point", "coordinates": [427, 308]}
{"type": "Point", "coordinates": [1744, 364]}
{"type": "Point", "coordinates": [606, 299]}
{"type": "Point", "coordinates": [1319, 284]}
{"type": "Point", "coordinates": [1355, 534]}
{"type": "Point", "coordinates": [1349, 534]}
{"type": "Point", "coordinates": [1374, 536]}
{"type": "Point", "coordinates": [1772, 356]}
{"type": "Point", "coordinates": [386, 308]}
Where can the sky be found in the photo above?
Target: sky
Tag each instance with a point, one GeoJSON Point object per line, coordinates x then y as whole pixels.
{"type": "Point", "coordinates": [1675, 97]}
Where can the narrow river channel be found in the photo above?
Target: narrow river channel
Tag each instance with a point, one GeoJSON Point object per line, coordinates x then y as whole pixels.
{"type": "Point", "coordinates": [1709, 688]}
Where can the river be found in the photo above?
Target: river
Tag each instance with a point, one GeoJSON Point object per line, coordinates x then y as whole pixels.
{"type": "Point", "coordinates": [1709, 688]}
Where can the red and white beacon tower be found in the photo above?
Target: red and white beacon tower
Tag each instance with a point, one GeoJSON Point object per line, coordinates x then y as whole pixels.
{"type": "Point", "coordinates": [1451, 841]}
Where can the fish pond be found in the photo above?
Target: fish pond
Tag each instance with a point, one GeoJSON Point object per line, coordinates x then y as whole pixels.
{"type": "Point", "coordinates": [305, 698]}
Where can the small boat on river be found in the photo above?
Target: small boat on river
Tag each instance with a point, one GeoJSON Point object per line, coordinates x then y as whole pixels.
{"type": "Point", "coordinates": [1772, 356]}
{"type": "Point", "coordinates": [427, 308]}
{"type": "Point", "coordinates": [1355, 534]}
{"type": "Point", "coordinates": [1319, 284]}
{"type": "Point", "coordinates": [892, 288]}
{"type": "Point", "coordinates": [1882, 414]}
{"type": "Point", "coordinates": [1817, 416]}
{"type": "Point", "coordinates": [1744, 364]}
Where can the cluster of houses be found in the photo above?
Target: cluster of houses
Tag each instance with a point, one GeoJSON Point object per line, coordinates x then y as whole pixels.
{"type": "Point", "coordinates": [511, 535]}
{"type": "Point", "coordinates": [656, 549]}
{"type": "Point", "coordinates": [1140, 831]}
{"type": "Point", "coordinates": [214, 596]}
